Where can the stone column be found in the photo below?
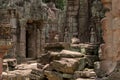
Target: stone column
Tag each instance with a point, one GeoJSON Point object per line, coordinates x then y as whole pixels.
{"type": "Point", "coordinates": [116, 28]}
{"type": "Point", "coordinates": [21, 45]}
{"type": "Point", "coordinates": [41, 41]}
{"type": "Point", "coordinates": [23, 42]}
{"type": "Point", "coordinates": [111, 30]}
{"type": "Point", "coordinates": [13, 22]}
{"type": "Point", "coordinates": [83, 20]}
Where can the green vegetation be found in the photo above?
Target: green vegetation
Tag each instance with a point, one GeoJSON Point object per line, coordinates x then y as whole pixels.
{"type": "Point", "coordinates": [59, 3]}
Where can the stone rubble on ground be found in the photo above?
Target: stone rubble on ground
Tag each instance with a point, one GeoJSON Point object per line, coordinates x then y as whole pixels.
{"type": "Point", "coordinates": [67, 65]}
{"type": "Point", "coordinates": [21, 72]}
{"type": "Point", "coordinates": [54, 65]}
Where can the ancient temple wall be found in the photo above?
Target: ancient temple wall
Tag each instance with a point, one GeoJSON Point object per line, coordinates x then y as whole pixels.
{"type": "Point", "coordinates": [77, 18]}
{"type": "Point", "coordinates": [33, 10]}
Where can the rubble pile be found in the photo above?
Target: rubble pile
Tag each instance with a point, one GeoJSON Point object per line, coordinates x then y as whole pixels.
{"type": "Point", "coordinates": [55, 65]}
{"type": "Point", "coordinates": [66, 65]}
{"type": "Point", "coordinates": [16, 75]}
{"type": "Point", "coordinates": [13, 71]}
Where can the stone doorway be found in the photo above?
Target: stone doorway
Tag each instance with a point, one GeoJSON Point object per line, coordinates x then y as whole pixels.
{"type": "Point", "coordinates": [27, 54]}
{"type": "Point", "coordinates": [31, 44]}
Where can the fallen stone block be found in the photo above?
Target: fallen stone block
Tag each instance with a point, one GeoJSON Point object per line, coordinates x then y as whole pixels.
{"type": "Point", "coordinates": [65, 65]}
{"type": "Point", "coordinates": [70, 54]}
{"type": "Point", "coordinates": [17, 75]}
{"type": "Point", "coordinates": [26, 66]}
{"type": "Point", "coordinates": [85, 74]}
{"type": "Point", "coordinates": [37, 74]}
{"type": "Point", "coordinates": [54, 55]}
{"type": "Point", "coordinates": [51, 75]}
{"type": "Point", "coordinates": [9, 76]}
{"type": "Point", "coordinates": [60, 65]}
{"type": "Point", "coordinates": [49, 57]}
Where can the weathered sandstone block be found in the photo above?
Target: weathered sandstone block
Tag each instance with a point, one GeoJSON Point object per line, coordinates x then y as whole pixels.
{"type": "Point", "coordinates": [51, 75]}
{"type": "Point", "coordinates": [66, 65]}
{"type": "Point", "coordinates": [70, 54]}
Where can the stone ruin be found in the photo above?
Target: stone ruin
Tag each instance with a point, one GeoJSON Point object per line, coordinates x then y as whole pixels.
{"type": "Point", "coordinates": [62, 60]}
{"type": "Point", "coordinates": [67, 64]}
{"type": "Point", "coordinates": [74, 62]}
{"type": "Point", "coordinates": [109, 54]}
{"type": "Point", "coordinates": [31, 23]}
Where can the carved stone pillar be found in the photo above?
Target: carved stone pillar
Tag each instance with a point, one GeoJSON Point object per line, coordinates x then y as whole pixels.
{"type": "Point", "coordinates": [21, 44]}
{"type": "Point", "coordinates": [13, 23]}
{"type": "Point", "coordinates": [111, 30]}
{"type": "Point", "coordinates": [83, 20]}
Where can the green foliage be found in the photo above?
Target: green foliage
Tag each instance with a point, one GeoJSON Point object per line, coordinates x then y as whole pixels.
{"type": "Point", "coordinates": [59, 3]}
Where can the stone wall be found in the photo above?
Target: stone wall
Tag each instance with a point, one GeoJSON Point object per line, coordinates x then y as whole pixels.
{"type": "Point", "coordinates": [32, 21]}
{"type": "Point", "coordinates": [18, 13]}
{"type": "Point", "coordinates": [80, 19]}
{"type": "Point", "coordinates": [71, 17]}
